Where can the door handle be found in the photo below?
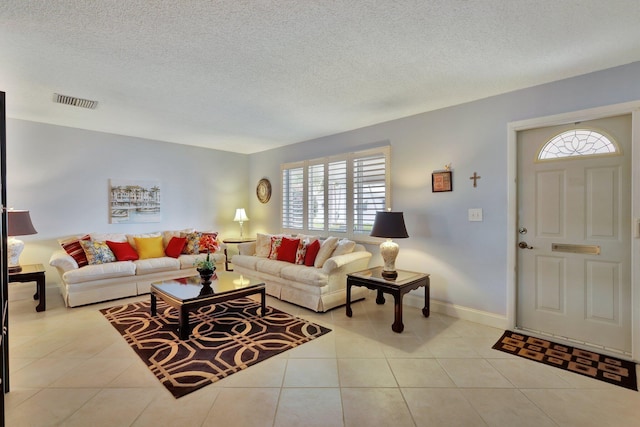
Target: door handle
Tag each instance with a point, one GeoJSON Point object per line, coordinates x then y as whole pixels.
{"type": "Point", "coordinates": [524, 245]}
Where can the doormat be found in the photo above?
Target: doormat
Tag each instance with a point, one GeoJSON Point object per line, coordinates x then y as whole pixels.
{"type": "Point", "coordinates": [227, 338]}
{"type": "Point", "coordinates": [594, 365]}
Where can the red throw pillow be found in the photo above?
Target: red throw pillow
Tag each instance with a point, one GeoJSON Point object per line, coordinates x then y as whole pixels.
{"type": "Point", "coordinates": [74, 249]}
{"type": "Point", "coordinates": [312, 252]}
{"type": "Point", "coordinates": [175, 246]}
{"type": "Point", "coordinates": [123, 251]}
{"type": "Point", "coordinates": [287, 250]}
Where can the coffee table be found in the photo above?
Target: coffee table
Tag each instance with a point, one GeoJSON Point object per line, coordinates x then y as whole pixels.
{"type": "Point", "coordinates": [186, 295]}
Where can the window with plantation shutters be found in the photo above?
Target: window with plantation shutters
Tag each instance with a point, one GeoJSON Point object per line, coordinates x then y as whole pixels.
{"type": "Point", "coordinates": [337, 195]}
{"type": "Point", "coordinates": [293, 198]}
{"type": "Point", "coordinates": [369, 190]}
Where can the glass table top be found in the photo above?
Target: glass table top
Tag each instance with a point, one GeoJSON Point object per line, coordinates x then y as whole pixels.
{"type": "Point", "coordinates": [191, 288]}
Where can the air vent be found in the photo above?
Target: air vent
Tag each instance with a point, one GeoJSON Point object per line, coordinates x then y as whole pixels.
{"type": "Point", "coordinates": [76, 102]}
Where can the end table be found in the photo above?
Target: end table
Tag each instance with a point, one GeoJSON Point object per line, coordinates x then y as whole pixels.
{"type": "Point", "coordinates": [405, 282]}
{"type": "Point", "coordinates": [33, 273]}
{"type": "Point", "coordinates": [235, 241]}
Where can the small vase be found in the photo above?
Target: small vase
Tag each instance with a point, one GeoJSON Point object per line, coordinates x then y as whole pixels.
{"type": "Point", "coordinates": [205, 275]}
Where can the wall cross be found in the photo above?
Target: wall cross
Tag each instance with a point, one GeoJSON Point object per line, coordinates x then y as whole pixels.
{"type": "Point", "coordinates": [475, 179]}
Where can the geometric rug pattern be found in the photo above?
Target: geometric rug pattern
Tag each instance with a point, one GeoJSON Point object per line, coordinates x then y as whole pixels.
{"type": "Point", "coordinates": [226, 338]}
{"type": "Point", "coordinates": [588, 363]}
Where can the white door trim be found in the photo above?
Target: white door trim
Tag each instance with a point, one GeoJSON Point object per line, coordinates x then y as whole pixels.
{"type": "Point", "coordinates": [632, 108]}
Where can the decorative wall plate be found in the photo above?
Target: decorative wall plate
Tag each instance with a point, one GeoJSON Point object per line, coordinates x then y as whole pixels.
{"type": "Point", "coordinates": [263, 191]}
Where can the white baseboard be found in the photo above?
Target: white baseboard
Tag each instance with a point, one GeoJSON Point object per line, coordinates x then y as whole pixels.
{"type": "Point", "coordinates": [460, 312]}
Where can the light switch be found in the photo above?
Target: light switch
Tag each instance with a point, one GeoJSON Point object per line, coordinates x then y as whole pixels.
{"type": "Point", "coordinates": [475, 214]}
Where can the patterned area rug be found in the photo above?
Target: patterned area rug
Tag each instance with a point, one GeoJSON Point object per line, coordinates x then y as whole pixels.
{"type": "Point", "coordinates": [594, 365]}
{"type": "Point", "coordinates": [226, 338]}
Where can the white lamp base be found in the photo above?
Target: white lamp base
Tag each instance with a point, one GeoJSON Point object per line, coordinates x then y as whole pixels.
{"type": "Point", "coordinates": [389, 251]}
{"type": "Point", "coordinates": [14, 250]}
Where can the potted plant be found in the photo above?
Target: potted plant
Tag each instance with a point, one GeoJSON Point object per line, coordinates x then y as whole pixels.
{"type": "Point", "coordinates": [206, 267]}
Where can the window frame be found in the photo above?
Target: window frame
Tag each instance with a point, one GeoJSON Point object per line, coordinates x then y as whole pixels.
{"type": "Point", "coordinates": [384, 152]}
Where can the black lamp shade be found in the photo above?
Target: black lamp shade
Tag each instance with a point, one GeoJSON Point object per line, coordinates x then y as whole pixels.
{"type": "Point", "coordinates": [389, 225]}
{"type": "Point", "coordinates": [19, 223]}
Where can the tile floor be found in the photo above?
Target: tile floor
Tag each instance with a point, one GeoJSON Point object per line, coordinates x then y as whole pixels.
{"type": "Point", "coordinates": [70, 367]}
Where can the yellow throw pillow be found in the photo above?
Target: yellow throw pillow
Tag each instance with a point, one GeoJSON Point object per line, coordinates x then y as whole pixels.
{"type": "Point", "coordinates": [149, 247]}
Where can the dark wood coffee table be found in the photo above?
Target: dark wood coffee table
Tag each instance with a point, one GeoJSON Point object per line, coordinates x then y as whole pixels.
{"type": "Point", "coordinates": [405, 282]}
{"type": "Point", "coordinates": [188, 294]}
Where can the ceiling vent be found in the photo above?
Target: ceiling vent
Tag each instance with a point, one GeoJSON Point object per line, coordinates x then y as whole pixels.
{"type": "Point", "coordinates": [76, 102]}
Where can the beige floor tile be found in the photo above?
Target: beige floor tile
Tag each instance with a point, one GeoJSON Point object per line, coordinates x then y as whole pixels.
{"type": "Point", "coordinates": [324, 346]}
{"type": "Point", "coordinates": [375, 407]}
{"type": "Point", "coordinates": [404, 346]}
{"type": "Point", "coordinates": [441, 407]}
{"type": "Point", "coordinates": [524, 373]}
{"type": "Point", "coordinates": [365, 373]}
{"type": "Point", "coordinates": [189, 410]}
{"type": "Point", "coordinates": [452, 347]}
{"type": "Point", "coordinates": [243, 407]}
{"type": "Point", "coordinates": [419, 373]}
{"type": "Point", "coordinates": [49, 407]}
{"type": "Point", "coordinates": [474, 373]}
{"type": "Point", "coordinates": [269, 373]}
{"type": "Point", "coordinates": [40, 373]}
{"type": "Point", "coordinates": [352, 345]}
{"type": "Point", "coordinates": [309, 407]}
{"type": "Point", "coordinates": [589, 407]}
{"type": "Point", "coordinates": [311, 373]}
{"type": "Point", "coordinates": [112, 407]}
{"type": "Point", "coordinates": [506, 408]}
{"type": "Point", "coordinates": [93, 373]}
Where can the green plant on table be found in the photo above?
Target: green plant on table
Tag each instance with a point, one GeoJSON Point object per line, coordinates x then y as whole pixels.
{"type": "Point", "coordinates": [205, 264]}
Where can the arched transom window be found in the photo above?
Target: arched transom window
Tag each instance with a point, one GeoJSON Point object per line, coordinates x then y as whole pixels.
{"type": "Point", "coordinates": [578, 142]}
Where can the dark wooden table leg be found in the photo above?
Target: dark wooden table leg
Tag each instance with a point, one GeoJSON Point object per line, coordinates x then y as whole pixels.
{"type": "Point", "coordinates": [426, 310]}
{"type": "Point", "coordinates": [41, 294]}
{"type": "Point", "coordinates": [397, 326]}
{"type": "Point", "coordinates": [349, 312]}
{"type": "Point", "coordinates": [264, 302]}
{"type": "Point", "coordinates": [154, 302]}
{"type": "Point", "coordinates": [183, 321]}
{"type": "Point", "coordinates": [380, 297]}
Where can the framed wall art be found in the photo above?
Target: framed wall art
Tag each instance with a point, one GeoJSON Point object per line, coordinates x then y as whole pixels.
{"type": "Point", "coordinates": [441, 181]}
{"type": "Point", "coordinates": [132, 201]}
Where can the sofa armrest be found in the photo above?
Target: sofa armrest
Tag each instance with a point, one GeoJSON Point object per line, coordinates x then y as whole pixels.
{"type": "Point", "coordinates": [340, 261]}
{"type": "Point", "coordinates": [247, 248]}
{"type": "Point", "coordinates": [63, 261]}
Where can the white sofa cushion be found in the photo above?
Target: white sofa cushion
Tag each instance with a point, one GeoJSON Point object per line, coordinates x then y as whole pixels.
{"type": "Point", "coordinates": [100, 271]}
{"type": "Point", "coordinates": [302, 274]}
{"type": "Point", "coordinates": [154, 265]}
{"type": "Point", "coordinates": [271, 266]}
{"type": "Point", "coordinates": [246, 261]}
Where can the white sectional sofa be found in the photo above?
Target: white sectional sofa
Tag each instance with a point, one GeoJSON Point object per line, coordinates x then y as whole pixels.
{"type": "Point", "coordinates": [319, 287]}
{"type": "Point", "coordinates": [119, 279]}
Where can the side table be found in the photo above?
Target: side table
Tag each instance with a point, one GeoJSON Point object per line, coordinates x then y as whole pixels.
{"type": "Point", "coordinates": [33, 273]}
{"type": "Point", "coordinates": [405, 282]}
{"type": "Point", "coordinates": [235, 241]}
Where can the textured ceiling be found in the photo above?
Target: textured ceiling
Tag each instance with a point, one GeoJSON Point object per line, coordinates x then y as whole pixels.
{"type": "Point", "coordinates": [249, 75]}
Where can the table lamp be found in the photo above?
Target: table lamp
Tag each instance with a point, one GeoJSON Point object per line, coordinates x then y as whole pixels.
{"type": "Point", "coordinates": [389, 225]}
{"type": "Point", "coordinates": [241, 216]}
{"type": "Point", "coordinates": [18, 224]}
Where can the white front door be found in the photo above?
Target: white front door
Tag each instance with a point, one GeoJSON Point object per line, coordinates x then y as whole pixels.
{"type": "Point", "coordinates": [574, 225]}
